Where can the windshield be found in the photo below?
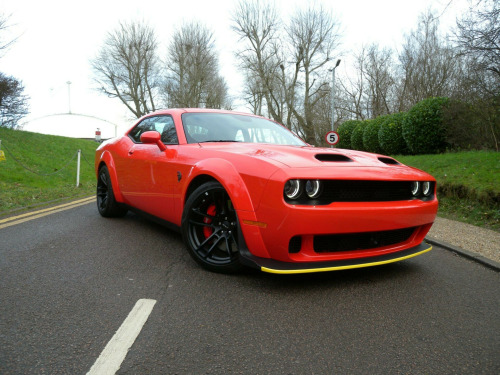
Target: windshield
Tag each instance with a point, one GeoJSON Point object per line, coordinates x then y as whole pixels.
{"type": "Point", "coordinates": [227, 127]}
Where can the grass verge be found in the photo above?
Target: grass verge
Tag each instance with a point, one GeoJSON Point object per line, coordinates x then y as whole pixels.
{"type": "Point", "coordinates": [468, 185]}
{"type": "Point", "coordinates": [42, 168]}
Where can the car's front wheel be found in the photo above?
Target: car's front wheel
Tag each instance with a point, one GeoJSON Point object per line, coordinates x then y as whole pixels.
{"type": "Point", "coordinates": [106, 203]}
{"type": "Point", "coordinates": [210, 228]}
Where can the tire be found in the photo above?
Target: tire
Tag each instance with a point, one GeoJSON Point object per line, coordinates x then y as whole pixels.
{"type": "Point", "coordinates": [210, 229]}
{"type": "Point", "coordinates": [106, 202]}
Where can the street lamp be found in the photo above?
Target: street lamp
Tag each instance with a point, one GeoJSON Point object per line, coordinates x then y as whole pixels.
{"type": "Point", "coordinates": [333, 93]}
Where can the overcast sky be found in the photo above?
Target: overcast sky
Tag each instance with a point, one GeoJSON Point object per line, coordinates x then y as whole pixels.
{"type": "Point", "coordinates": [57, 39]}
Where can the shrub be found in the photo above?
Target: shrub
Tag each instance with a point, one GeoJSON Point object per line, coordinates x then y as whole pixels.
{"type": "Point", "coordinates": [390, 135]}
{"type": "Point", "coordinates": [345, 131]}
{"type": "Point", "coordinates": [472, 126]}
{"type": "Point", "coordinates": [357, 136]}
{"type": "Point", "coordinates": [423, 128]}
{"type": "Point", "coordinates": [370, 135]}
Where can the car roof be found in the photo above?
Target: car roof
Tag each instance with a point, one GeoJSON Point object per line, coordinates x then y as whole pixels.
{"type": "Point", "coordinates": [198, 110]}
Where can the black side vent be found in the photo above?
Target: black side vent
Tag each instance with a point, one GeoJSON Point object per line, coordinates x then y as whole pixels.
{"type": "Point", "coordinates": [295, 244]}
{"type": "Point", "coordinates": [388, 161]}
{"type": "Point", "coordinates": [332, 157]}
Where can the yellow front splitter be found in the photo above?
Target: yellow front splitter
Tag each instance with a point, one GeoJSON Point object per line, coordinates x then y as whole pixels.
{"type": "Point", "coordinates": [297, 268]}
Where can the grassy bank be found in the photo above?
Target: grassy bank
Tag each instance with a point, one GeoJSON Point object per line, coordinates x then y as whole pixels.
{"type": "Point", "coordinates": [468, 185]}
{"type": "Point", "coordinates": [41, 168]}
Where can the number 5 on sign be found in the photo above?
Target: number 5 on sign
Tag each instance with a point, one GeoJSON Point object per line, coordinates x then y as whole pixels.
{"type": "Point", "coordinates": [332, 138]}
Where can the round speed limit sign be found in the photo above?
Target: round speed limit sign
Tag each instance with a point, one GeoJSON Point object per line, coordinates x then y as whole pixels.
{"type": "Point", "coordinates": [332, 137]}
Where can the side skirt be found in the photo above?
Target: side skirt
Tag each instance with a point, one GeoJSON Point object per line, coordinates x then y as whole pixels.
{"type": "Point", "coordinates": [157, 220]}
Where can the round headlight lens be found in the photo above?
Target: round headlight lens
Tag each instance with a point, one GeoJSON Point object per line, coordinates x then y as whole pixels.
{"type": "Point", "coordinates": [293, 188]}
{"type": "Point", "coordinates": [426, 188]}
{"type": "Point", "coordinates": [313, 188]}
{"type": "Point", "coordinates": [415, 188]}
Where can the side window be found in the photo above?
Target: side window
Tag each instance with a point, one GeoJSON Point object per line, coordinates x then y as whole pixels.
{"type": "Point", "coordinates": [162, 124]}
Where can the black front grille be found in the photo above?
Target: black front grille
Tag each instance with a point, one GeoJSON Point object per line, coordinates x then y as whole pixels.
{"type": "Point", "coordinates": [366, 191]}
{"type": "Point", "coordinates": [360, 241]}
{"type": "Point", "coordinates": [361, 191]}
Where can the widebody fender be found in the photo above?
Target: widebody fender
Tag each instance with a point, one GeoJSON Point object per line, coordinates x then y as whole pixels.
{"type": "Point", "coordinates": [107, 159]}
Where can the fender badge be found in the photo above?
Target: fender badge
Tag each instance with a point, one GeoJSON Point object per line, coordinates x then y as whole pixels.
{"type": "Point", "coordinates": [179, 176]}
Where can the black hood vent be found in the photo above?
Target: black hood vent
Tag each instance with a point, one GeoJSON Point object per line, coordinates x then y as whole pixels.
{"type": "Point", "coordinates": [389, 161]}
{"type": "Point", "coordinates": [332, 157]}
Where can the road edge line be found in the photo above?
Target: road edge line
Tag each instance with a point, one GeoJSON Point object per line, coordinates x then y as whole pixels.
{"type": "Point", "coordinates": [29, 218]}
{"type": "Point", "coordinates": [33, 213]}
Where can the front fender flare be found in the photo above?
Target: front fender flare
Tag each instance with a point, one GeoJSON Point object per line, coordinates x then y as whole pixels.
{"type": "Point", "coordinates": [227, 175]}
{"type": "Point", "coordinates": [107, 159]}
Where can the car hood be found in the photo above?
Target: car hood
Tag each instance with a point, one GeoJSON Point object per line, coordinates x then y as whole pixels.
{"type": "Point", "coordinates": [305, 156]}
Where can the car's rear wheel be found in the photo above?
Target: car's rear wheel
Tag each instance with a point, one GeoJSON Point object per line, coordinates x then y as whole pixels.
{"type": "Point", "coordinates": [210, 229]}
{"type": "Point", "coordinates": [106, 202]}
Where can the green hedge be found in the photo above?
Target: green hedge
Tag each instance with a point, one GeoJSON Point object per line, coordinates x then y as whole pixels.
{"type": "Point", "coordinates": [357, 136]}
{"type": "Point", "coordinates": [345, 131]}
{"type": "Point", "coordinates": [423, 128]}
{"type": "Point", "coordinates": [370, 135]}
{"type": "Point", "coordinates": [390, 135]}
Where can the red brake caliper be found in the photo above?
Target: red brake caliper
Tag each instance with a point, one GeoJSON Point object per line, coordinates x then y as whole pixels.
{"type": "Point", "coordinates": [207, 231]}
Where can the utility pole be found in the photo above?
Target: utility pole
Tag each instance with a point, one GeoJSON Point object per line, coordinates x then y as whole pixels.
{"type": "Point", "coordinates": [333, 93]}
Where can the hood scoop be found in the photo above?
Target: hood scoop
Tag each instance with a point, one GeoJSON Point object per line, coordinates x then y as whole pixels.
{"type": "Point", "coordinates": [389, 161]}
{"type": "Point", "coordinates": [332, 157]}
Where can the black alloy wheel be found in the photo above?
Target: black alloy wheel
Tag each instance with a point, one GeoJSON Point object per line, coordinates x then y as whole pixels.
{"type": "Point", "coordinates": [210, 229]}
{"type": "Point", "coordinates": [106, 203]}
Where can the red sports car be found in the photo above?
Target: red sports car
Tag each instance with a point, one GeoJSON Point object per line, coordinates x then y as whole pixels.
{"type": "Point", "coordinates": [244, 190]}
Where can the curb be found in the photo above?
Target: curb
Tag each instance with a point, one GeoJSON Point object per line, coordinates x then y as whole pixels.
{"type": "Point", "coordinates": [466, 254]}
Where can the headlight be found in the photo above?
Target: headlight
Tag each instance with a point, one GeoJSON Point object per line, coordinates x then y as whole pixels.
{"type": "Point", "coordinates": [293, 189]}
{"type": "Point", "coordinates": [426, 188]}
{"type": "Point", "coordinates": [313, 188]}
{"type": "Point", "coordinates": [415, 188]}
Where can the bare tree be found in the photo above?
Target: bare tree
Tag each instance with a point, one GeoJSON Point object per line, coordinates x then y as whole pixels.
{"type": "Point", "coordinates": [353, 89]}
{"type": "Point", "coordinates": [5, 43]}
{"type": "Point", "coordinates": [478, 34]}
{"type": "Point", "coordinates": [193, 78]}
{"type": "Point", "coordinates": [13, 102]}
{"type": "Point", "coordinates": [257, 24]}
{"type": "Point", "coordinates": [378, 71]}
{"type": "Point", "coordinates": [313, 35]}
{"type": "Point", "coordinates": [127, 67]}
{"type": "Point", "coordinates": [427, 64]}
{"type": "Point", "coordinates": [287, 72]}
{"type": "Point", "coordinates": [253, 94]}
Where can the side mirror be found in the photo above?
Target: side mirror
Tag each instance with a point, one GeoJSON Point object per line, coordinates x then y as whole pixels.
{"type": "Point", "coordinates": [153, 137]}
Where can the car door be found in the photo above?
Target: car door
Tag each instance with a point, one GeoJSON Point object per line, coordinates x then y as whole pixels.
{"type": "Point", "coordinates": [147, 175]}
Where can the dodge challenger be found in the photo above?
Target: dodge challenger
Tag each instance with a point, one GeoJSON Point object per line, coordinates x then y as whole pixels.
{"type": "Point", "coordinates": [245, 191]}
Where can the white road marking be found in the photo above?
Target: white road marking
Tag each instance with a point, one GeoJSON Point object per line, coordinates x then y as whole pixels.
{"type": "Point", "coordinates": [114, 353]}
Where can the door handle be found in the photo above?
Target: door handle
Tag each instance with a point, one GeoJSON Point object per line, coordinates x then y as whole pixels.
{"type": "Point", "coordinates": [130, 152]}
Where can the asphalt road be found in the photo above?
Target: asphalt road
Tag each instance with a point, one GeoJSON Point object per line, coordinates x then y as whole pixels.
{"type": "Point", "coordinates": [68, 281]}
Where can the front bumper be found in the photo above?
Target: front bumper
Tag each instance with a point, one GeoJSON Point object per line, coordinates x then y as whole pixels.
{"type": "Point", "coordinates": [277, 267]}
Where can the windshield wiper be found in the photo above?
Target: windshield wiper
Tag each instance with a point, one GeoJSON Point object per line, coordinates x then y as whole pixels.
{"type": "Point", "coordinates": [220, 140]}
